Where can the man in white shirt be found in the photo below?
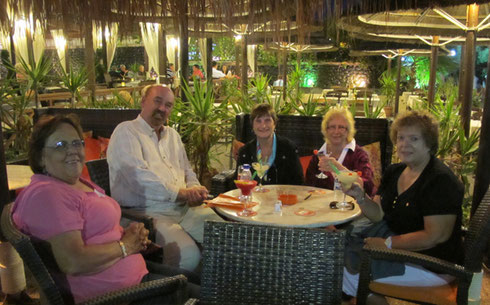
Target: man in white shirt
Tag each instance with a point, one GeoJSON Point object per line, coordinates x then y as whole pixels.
{"type": "Point", "coordinates": [149, 170]}
{"type": "Point", "coordinates": [217, 73]}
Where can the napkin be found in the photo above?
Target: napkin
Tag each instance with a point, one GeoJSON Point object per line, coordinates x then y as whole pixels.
{"type": "Point", "coordinates": [226, 201]}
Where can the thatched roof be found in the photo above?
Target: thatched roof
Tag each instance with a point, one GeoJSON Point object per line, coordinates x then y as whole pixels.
{"type": "Point", "coordinates": [203, 15]}
{"type": "Point", "coordinates": [272, 14]}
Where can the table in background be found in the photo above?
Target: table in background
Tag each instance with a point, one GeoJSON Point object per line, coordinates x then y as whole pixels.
{"type": "Point", "coordinates": [19, 176]}
{"type": "Point", "coordinates": [319, 202]}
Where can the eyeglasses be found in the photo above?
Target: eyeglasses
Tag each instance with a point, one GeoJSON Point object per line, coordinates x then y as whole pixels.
{"type": "Point", "coordinates": [62, 146]}
{"type": "Point", "coordinates": [339, 127]}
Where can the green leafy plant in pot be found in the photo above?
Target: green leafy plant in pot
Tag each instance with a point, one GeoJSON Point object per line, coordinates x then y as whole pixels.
{"type": "Point", "coordinates": [388, 90]}
{"type": "Point", "coordinates": [201, 124]}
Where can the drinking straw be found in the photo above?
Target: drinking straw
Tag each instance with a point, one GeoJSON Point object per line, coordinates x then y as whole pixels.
{"type": "Point", "coordinates": [254, 175]}
{"type": "Point", "coordinates": [335, 169]}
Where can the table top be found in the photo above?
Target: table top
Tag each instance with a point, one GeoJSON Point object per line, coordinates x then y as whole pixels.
{"type": "Point", "coordinates": [19, 176]}
{"type": "Point", "coordinates": [319, 203]}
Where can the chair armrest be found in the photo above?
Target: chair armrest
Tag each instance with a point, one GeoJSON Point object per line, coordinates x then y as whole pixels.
{"type": "Point", "coordinates": [370, 253]}
{"type": "Point", "coordinates": [158, 267]}
{"type": "Point", "coordinates": [140, 216]}
{"type": "Point", "coordinates": [222, 182]}
{"type": "Point", "coordinates": [174, 286]}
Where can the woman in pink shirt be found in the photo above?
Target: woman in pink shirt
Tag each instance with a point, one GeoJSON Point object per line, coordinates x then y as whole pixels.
{"type": "Point", "coordinates": [75, 216]}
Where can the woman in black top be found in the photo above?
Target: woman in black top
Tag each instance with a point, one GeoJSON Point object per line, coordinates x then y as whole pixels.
{"type": "Point", "coordinates": [279, 152]}
{"type": "Point", "coordinates": [417, 208]}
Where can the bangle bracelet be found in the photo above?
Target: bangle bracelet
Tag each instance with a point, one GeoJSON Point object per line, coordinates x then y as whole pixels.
{"type": "Point", "coordinates": [123, 248]}
{"type": "Point", "coordinates": [388, 242]}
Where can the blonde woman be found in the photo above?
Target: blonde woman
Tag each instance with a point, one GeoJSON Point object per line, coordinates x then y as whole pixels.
{"type": "Point", "coordinates": [341, 150]}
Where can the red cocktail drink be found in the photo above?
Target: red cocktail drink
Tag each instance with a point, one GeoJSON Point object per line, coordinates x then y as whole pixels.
{"type": "Point", "coordinates": [246, 186]}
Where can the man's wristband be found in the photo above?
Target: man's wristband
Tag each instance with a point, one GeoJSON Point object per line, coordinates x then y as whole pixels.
{"type": "Point", "coordinates": [388, 242]}
{"type": "Point", "coordinates": [123, 248]}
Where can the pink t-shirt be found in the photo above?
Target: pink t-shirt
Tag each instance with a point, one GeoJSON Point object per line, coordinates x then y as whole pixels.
{"type": "Point", "coordinates": [49, 207]}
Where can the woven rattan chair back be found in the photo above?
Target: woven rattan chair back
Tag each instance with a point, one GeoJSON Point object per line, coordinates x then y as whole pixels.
{"type": "Point", "coordinates": [49, 290]}
{"type": "Point", "coordinates": [256, 264]}
{"type": "Point", "coordinates": [99, 174]}
{"type": "Point", "coordinates": [478, 236]}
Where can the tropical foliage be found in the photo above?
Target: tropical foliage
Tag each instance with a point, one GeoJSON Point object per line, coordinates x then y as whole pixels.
{"type": "Point", "coordinates": [74, 81]}
{"type": "Point", "coordinates": [201, 124]}
{"type": "Point", "coordinates": [16, 117]}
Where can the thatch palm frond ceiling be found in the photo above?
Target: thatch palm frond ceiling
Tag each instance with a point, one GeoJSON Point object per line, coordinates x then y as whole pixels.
{"type": "Point", "coordinates": [271, 14]}
{"type": "Point", "coordinates": [304, 13]}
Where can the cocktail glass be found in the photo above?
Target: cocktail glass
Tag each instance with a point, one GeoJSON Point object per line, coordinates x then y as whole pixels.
{"type": "Point", "coordinates": [261, 169]}
{"type": "Point", "coordinates": [246, 186]}
{"type": "Point", "coordinates": [320, 155]}
{"type": "Point", "coordinates": [346, 178]}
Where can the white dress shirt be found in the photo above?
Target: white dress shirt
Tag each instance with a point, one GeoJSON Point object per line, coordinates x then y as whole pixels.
{"type": "Point", "coordinates": [217, 73]}
{"type": "Point", "coordinates": [146, 172]}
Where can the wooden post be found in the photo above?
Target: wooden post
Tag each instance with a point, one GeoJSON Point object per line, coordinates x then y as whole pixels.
{"type": "Point", "coordinates": [184, 47]}
{"type": "Point", "coordinates": [244, 74]}
{"type": "Point", "coordinates": [397, 96]}
{"type": "Point", "coordinates": [89, 59]}
{"type": "Point", "coordinates": [462, 70]}
{"type": "Point", "coordinates": [209, 59]}
{"type": "Point", "coordinates": [390, 58]}
{"type": "Point", "coordinates": [162, 55]}
{"type": "Point", "coordinates": [433, 69]}
{"type": "Point", "coordinates": [472, 22]}
{"type": "Point", "coordinates": [482, 172]}
{"type": "Point", "coordinates": [237, 58]}
{"type": "Point", "coordinates": [285, 75]}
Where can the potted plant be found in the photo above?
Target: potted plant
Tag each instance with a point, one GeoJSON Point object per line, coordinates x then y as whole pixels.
{"type": "Point", "coordinates": [74, 81]}
{"type": "Point", "coordinates": [388, 91]}
{"type": "Point", "coordinates": [202, 124]}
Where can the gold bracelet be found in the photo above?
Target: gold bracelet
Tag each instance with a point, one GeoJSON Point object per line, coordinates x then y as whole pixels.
{"type": "Point", "coordinates": [123, 248]}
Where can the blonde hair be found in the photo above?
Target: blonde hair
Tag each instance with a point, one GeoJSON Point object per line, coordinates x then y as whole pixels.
{"type": "Point", "coordinates": [343, 112]}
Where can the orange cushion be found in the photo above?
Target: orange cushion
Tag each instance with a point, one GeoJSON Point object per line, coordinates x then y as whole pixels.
{"type": "Point", "coordinates": [304, 163]}
{"type": "Point", "coordinates": [441, 295]}
{"type": "Point", "coordinates": [104, 143]}
{"type": "Point", "coordinates": [374, 152]}
{"type": "Point", "coordinates": [92, 152]}
{"type": "Point", "coordinates": [235, 147]}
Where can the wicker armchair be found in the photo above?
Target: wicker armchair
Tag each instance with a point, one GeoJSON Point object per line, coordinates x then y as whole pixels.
{"type": "Point", "coordinates": [475, 244]}
{"type": "Point", "coordinates": [99, 174]}
{"type": "Point", "coordinates": [52, 283]}
{"type": "Point", "coordinates": [256, 264]}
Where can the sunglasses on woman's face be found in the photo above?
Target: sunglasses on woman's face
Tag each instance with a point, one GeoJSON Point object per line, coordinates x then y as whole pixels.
{"type": "Point", "coordinates": [63, 146]}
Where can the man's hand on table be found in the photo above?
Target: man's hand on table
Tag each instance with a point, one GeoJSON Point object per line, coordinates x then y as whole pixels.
{"type": "Point", "coordinates": [193, 196]}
